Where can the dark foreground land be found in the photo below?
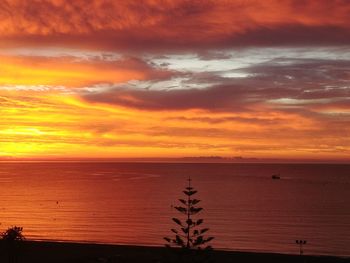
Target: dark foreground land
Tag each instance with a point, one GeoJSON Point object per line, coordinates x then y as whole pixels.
{"type": "Point", "coordinates": [57, 252]}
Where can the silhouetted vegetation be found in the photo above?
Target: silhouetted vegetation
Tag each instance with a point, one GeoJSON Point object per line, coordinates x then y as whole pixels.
{"type": "Point", "coordinates": [12, 236]}
{"type": "Point", "coordinates": [189, 234]}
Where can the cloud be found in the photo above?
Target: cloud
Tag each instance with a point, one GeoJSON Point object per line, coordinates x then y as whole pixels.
{"type": "Point", "coordinates": [283, 83]}
{"type": "Point", "coordinates": [305, 79]}
{"type": "Point", "coordinates": [215, 98]}
{"type": "Point", "coordinates": [47, 123]}
{"type": "Point", "coordinates": [72, 72]}
{"type": "Point", "coordinates": [173, 25]}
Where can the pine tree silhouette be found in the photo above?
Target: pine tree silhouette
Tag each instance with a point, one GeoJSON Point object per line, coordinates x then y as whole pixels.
{"type": "Point", "coordinates": [189, 234]}
{"type": "Point", "coordinates": [13, 236]}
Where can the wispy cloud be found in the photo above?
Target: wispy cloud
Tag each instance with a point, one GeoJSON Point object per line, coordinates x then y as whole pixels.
{"type": "Point", "coordinates": [72, 72]}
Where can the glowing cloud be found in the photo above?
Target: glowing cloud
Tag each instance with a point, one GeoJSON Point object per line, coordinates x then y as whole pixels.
{"type": "Point", "coordinates": [69, 72]}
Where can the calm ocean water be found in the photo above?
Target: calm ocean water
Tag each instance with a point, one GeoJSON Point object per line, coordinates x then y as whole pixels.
{"type": "Point", "coordinates": [131, 203]}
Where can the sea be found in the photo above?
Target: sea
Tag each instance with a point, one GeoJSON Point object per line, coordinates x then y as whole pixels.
{"type": "Point", "coordinates": [133, 203]}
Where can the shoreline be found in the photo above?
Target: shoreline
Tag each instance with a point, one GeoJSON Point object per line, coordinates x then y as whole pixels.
{"type": "Point", "coordinates": [150, 245]}
{"type": "Point", "coordinates": [69, 252]}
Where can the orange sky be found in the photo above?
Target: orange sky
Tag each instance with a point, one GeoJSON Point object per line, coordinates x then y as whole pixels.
{"type": "Point", "coordinates": [267, 79]}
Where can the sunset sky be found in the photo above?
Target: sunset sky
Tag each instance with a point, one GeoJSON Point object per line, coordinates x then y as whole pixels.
{"type": "Point", "coordinates": [105, 79]}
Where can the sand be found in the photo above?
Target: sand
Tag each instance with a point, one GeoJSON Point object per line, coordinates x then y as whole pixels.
{"type": "Point", "coordinates": [63, 252]}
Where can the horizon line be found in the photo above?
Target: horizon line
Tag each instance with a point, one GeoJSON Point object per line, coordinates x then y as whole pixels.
{"type": "Point", "coordinates": [191, 159]}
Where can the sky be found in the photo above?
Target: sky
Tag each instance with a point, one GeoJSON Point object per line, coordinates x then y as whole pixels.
{"type": "Point", "coordinates": [123, 79]}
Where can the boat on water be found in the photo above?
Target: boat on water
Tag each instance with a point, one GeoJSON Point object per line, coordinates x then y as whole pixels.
{"type": "Point", "coordinates": [276, 176]}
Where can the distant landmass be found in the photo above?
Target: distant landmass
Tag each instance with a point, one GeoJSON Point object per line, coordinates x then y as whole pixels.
{"type": "Point", "coordinates": [218, 159]}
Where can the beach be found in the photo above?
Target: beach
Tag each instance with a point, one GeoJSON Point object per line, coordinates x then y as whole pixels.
{"type": "Point", "coordinates": [66, 252]}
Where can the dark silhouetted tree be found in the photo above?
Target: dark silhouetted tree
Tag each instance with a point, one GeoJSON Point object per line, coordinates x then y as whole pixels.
{"type": "Point", "coordinates": [13, 234]}
{"type": "Point", "coordinates": [12, 237]}
{"type": "Point", "coordinates": [189, 233]}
